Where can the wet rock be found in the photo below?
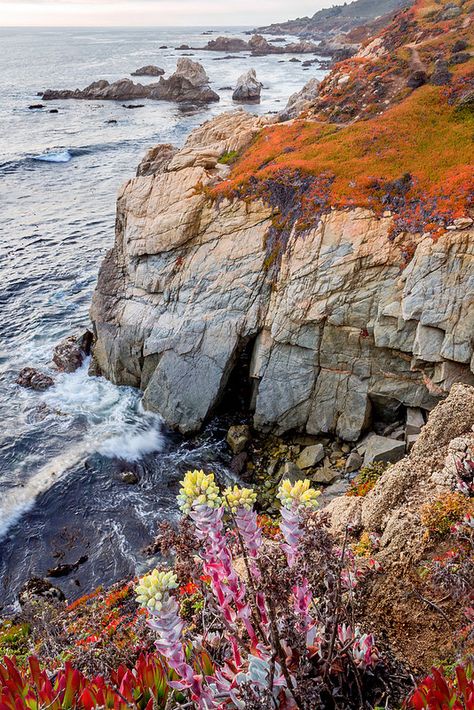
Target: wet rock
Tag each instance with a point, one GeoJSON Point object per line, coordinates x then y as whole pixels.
{"type": "Point", "coordinates": [129, 477]}
{"type": "Point", "coordinates": [354, 462]}
{"type": "Point", "coordinates": [149, 70]}
{"type": "Point", "coordinates": [34, 107]}
{"type": "Point", "coordinates": [248, 88]}
{"type": "Point", "coordinates": [239, 463]}
{"type": "Point", "coordinates": [132, 106]}
{"type": "Point", "coordinates": [310, 456]}
{"type": "Point", "coordinates": [36, 589]}
{"type": "Point", "coordinates": [53, 110]}
{"type": "Point", "coordinates": [382, 448]}
{"type": "Point", "coordinates": [112, 120]}
{"type": "Point", "coordinates": [33, 379]}
{"type": "Point", "coordinates": [238, 437]}
{"type": "Point", "coordinates": [63, 570]}
{"type": "Point", "coordinates": [72, 351]}
{"type": "Point", "coordinates": [441, 75]}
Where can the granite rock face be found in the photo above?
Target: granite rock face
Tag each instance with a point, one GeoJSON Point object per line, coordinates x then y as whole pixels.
{"type": "Point", "coordinates": [341, 331]}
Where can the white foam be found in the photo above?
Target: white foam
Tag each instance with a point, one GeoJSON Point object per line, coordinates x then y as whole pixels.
{"type": "Point", "coordinates": [20, 499]}
{"type": "Point", "coordinates": [62, 156]}
{"type": "Point", "coordinates": [116, 426]}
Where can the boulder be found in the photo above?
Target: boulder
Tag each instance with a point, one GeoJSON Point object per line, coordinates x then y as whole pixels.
{"type": "Point", "coordinates": [415, 421]}
{"type": "Point", "coordinates": [238, 437]}
{"type": "Point", "coordinates": [416, 79]}
{"type": "Point", "coordinates": [324, 476]}
{"type": "Point", "coordinates": [149, 70]}
{"type": "Point", "coordinates": [301, 100]}
{"type": "Point", "coordinates": [72, 351]}
{"type": "Point", "coordinates": [31, 378]}
{"type": "Point", "coordinates": [441, 74]}
{"type": "Point", "coordinates": [248, 88]}
{"type": "Point", "coordinates": [36, 589]}
{"type": "Point", "coordinates": [382, 448]}
{"type": "Point", "coordinates": [292, 472]}
{"type": "Point", "coordinates": [354, 462]}
{"type": "Point", "coordinates": [310, 456]}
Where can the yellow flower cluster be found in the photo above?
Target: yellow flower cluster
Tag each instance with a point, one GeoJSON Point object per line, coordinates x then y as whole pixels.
{"type": "Point", "coordinates": [300, 494]}
{"type": "Point", "coordinates": [239, 498]}
{"type": "Point", "coordinates": [153, 589]}
{"type": "Point", "coordinates": [198, 488]}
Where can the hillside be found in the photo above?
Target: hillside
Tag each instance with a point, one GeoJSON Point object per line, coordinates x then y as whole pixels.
{"type": "Point", "coordinates": [337, 19]}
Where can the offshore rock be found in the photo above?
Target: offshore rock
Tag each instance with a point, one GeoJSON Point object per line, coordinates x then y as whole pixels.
{"type": "Point", "coordinates": [149, 70]}
{"type": "Point", "coordinates": [340, 329]}
{"type": "Point", "coordinates": [32, 379]}
{"type": "Point", "coordinates": [248, 88]}
{"type": "Point", "coordinates": [189, 83]}
{"type": "Point", "coordinates": [71, 352]}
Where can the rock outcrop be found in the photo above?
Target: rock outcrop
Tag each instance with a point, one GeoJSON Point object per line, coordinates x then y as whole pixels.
{"type": "Point", "coordinates": [340, 332]}
{"type": "Point", "coordinates": [301, 100]}
{"type": "Point", "coordinates": [248, 88]}
{"type": "Point", "coordinates": [259, 46]}
{"type": "Point", "coordinates": [149, 70]}
{"type": "Point", "coordinates": [189, 84]}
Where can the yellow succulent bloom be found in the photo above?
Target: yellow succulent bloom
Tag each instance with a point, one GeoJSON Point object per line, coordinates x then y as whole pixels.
{"type": "Point", "coordinates": [153, 589]}
{"type": "Point", "coordinates": [300, 494]}
{"type": "Point", "coordinates": [198, 488]}
{"type": "Point", "coordinates": [239, 498]}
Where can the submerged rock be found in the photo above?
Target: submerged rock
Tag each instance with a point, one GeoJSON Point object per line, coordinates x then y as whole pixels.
{"type": "Point", "coordinates": [248, 88]}
{"type": "Point", "coordinates": [33, 379]}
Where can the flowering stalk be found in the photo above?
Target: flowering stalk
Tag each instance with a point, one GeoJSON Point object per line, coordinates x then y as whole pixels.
{"type": "Point", "coordinates": [240, 502]}
{"type": "Point", "coordinates": [295, 499]}
{"type": "Point", "coordinates": [199, 498]}
{"type": "Point", "coordinates": [153, 592]}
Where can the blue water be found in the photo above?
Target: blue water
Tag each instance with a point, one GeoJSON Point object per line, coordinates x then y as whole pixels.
{"type": "Point", "coordinates": [61, 451]}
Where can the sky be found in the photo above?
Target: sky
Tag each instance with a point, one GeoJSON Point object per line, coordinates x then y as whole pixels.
{"type": "Point", "coordinates": [97, 13]}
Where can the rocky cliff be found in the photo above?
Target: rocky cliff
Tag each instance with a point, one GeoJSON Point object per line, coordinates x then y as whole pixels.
{"type": "Point", "coordinates": [342, 330]}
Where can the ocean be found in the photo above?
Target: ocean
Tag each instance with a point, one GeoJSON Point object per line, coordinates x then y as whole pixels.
{"type": "Point", "coordinates": [62, 451]}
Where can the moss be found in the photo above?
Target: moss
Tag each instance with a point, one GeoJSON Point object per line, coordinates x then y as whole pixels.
{"type": "Point", "coordinates": [228, 158]}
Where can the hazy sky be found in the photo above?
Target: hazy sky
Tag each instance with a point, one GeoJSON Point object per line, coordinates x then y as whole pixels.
{"type": "Point", "coordinates": [154, 12]}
